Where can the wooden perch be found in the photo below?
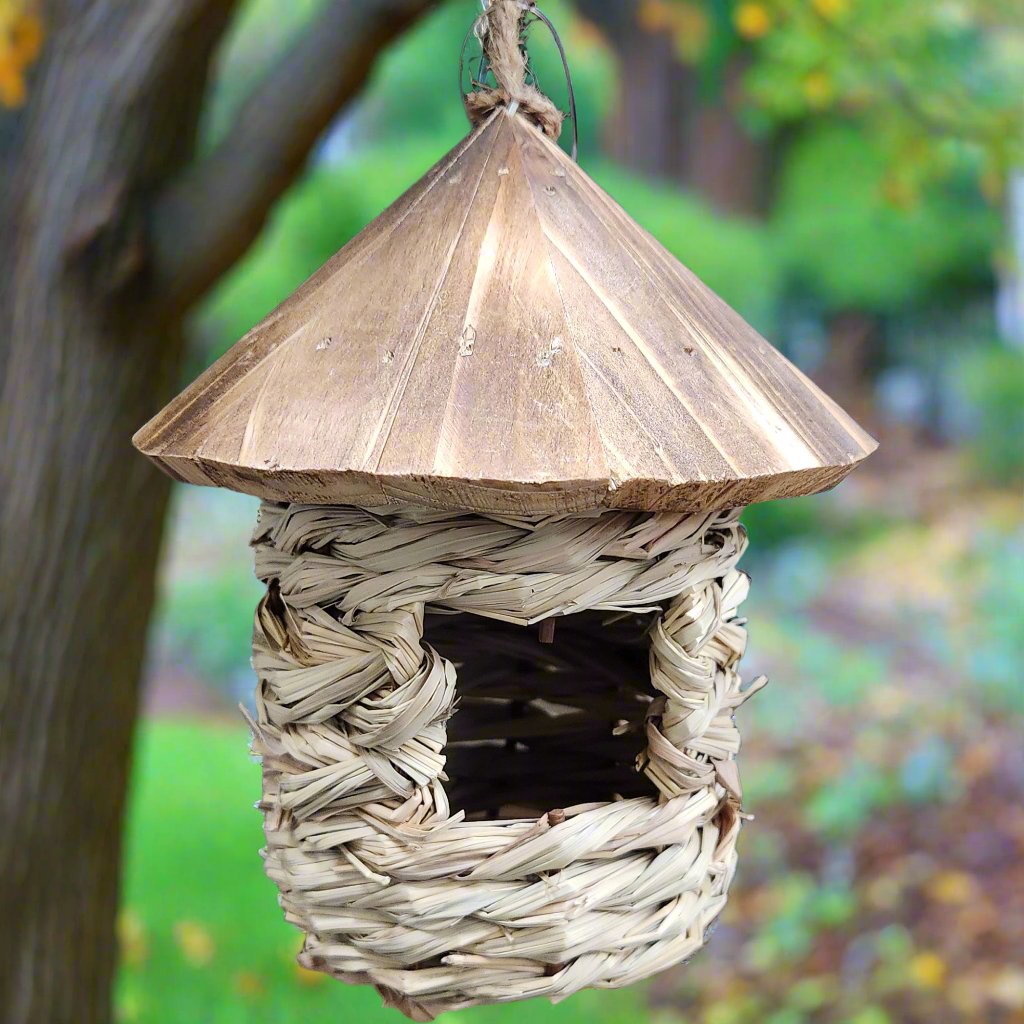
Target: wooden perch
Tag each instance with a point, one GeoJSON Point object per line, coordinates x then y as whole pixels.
{"type": "Point", "coordinates": [211, 214]}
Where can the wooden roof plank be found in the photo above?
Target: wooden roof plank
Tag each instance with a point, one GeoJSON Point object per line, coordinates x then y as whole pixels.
{"type": "Point", "coordinates": [505, 338]}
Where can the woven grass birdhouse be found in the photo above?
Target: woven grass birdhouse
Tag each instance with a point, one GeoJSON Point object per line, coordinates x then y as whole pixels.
{"type": "Point", "coordinates": [502, 439]}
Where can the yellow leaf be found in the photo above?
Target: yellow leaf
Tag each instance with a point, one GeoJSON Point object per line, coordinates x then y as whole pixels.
{"type": "Point", "coordinates": [752, 20]}
{"type": "Point", "coordinates": [818, 89]}
{"type": "Point", "coordinates": [928, 970]}
{"type": "Point", "coordinates": [249, 984]}
{"type": "Point", "coordinates": [691, 31]}
{"type": "Point", "coordinates": [12, 84]}
{"type": "Point", "coordinates": [309, 978]}
{"type": "Point", "coordinates": [26, 38]}
{"type": "Point", "coordinates": [131, 939]}
{"type": "Point", "coordinates": [195, 943]}
{"type": "Point", "coordinates": [968, 993]}
{"type": "Point", "coordinates": [978, 760]}
{"type": "Point", "coordinates": [888, 701]}
{"type": "Point", "coordinates": [831, 9]}
{"type": "Point", "coordinates": [21, 38]}
{"type": "Point", "coordinates": [993, 184]}
{"type": "Point", "coordinates": [898, 191]}
{"type": "Point", "coordinates": [884, 892]}
{"type": "Point", "coordinates": [951, 887]}
{"type": "Point", "coordinates": [654, 16]}
{"type": "Point", "coordinates": [129, 1008]}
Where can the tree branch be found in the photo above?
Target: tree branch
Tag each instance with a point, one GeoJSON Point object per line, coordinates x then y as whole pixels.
{"type": "Point", "coordinates": [210, 215]}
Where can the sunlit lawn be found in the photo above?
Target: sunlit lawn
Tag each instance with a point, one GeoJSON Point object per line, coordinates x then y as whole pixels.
{"type": "Point", "coordinates": [203, 939]}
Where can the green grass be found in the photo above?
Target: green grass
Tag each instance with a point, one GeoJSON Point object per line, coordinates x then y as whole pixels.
{"type": "Point", "coordinates": [203, 939]}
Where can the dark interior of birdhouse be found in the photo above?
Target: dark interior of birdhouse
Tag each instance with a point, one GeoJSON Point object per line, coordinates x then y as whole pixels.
{"type": "Point", "coordinates": [549, 716]}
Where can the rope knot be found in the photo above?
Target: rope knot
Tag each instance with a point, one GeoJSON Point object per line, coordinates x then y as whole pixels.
{"type": "Point", "coordinates": [500, 30]}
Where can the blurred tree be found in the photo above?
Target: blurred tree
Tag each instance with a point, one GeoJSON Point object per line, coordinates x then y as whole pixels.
{"type": "Point", "coordinates": [112, 227]}
{"type": "Point", "coordinates": [716, 92]}
{"type": "Point", "coordinates": [855, 258]}
{"type": "Point", "coordinates": [679, 113]}
{"type": "Point", "coordinates": [938, 88]}
{"type": "Point", "coordinates": [941, 83]}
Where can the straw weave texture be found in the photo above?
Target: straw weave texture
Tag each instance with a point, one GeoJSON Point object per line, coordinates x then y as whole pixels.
{"type": "Point", "coordinates": [440, 906]}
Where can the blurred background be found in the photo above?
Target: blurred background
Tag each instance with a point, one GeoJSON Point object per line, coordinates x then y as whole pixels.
{"type": "Point", "coordinates": [849, 174]}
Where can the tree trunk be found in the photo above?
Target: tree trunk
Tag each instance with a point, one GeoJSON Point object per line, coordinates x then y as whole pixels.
{"type": "Point", "coordinates": [725, 163]}
{"type": "Point", "coordinates": [648, 128]}
{"type": "Point", "coordinates": [82, 516]}
{"type": "Point", "coordinates": [850, 364]}
{"type": "Point", "coordinates": [91, 347]}
{"type": "Point", "coordinates": [663, 126]}
{"type": "Point", "coordinates": [86, 361]}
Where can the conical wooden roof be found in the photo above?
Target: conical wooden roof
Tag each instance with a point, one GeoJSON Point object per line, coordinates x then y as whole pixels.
{"type": "Point", "coordinates": [505, 338]}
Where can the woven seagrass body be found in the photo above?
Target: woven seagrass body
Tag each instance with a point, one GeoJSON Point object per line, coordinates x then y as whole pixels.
{"type": "Point", "coordinates": [460, 815]}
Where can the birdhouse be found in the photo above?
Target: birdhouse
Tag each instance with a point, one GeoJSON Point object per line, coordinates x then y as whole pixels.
{"type": "Point", "coordinates": [502, 440]}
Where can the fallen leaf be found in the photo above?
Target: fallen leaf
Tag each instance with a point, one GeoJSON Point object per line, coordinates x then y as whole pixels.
{"type": "Point", "coordinates": [195, 943]}
{"type": "Point", "coordinates": [928, 970]}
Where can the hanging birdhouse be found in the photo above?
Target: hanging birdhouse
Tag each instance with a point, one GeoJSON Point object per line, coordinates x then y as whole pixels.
{"type": "Point", "coordinates": [502, 440]}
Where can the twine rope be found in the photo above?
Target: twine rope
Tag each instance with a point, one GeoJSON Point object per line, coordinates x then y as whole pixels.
{"type": "Point", "coordinates": [500, 30]}
{"type": "Point", "coordinates": [391, 884]}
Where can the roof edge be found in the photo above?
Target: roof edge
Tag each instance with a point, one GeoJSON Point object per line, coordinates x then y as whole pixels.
{"type": "Point", "coordinates": [353, 487]}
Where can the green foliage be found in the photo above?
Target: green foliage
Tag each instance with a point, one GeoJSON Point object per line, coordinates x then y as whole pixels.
{"type": "Point", "coordinates": [773, 780]}
{"type": "Point", "coordinates": [926, 771]}
{"type": "Point", "coordinates": [870, 1015]}
{"type": "Point", "coordinates": [847, 245]}
{"type": "Point", "coordinates": [414, 91]}
{"type": "Point", "coordinates": [940, 83]}
{"type": "Point", "coordinates": [839, 809]}
{"type": "Point", "coordinates": [208, 591]}
{"type": "Point", "coordinates": [207, 620]}
{"type": "Point", "coordinates": [994, 652]}
{"type": "Point", "coordinates": [803, 908]}
{"type": "Point", "coordinates": [260, 34]}
{"type": "Point", "coordinates": [991, 380]}
{"type": "Point", "coordinates": [770, 523]}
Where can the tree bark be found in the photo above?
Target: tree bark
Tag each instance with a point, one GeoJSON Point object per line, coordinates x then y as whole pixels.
{"type": "Point", "coordinates": [724, 162]}
{"type": "Point", "coordinates": [83, 365]}
{"type": "Point", "coordinates": [851, 362]}
{"type": "Point", "coordinates": [91, 347]}
{"type": "Point", "coordinates": [206, 220]}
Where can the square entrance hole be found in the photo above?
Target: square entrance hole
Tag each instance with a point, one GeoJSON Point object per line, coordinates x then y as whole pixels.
{"type": "Point", "coordinates": [540, 726]}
